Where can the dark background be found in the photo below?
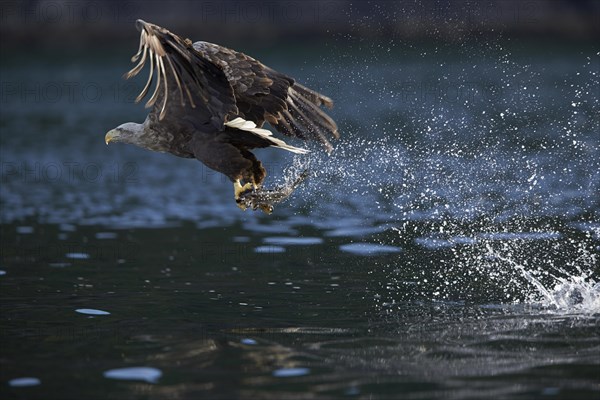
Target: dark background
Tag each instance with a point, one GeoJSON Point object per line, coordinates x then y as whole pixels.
{"type": "Point", "coordinates": [28, 25]}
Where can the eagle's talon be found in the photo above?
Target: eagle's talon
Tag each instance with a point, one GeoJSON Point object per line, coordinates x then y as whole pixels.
{"type": "Point", "coordinates": [239, 190]}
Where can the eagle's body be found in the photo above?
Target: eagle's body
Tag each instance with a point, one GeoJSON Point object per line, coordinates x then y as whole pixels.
{"type": "Point", "coordinates": [210, 103]}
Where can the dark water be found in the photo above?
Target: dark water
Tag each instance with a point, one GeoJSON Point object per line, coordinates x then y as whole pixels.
{"type": "Point", "coordinates": [447, 249]}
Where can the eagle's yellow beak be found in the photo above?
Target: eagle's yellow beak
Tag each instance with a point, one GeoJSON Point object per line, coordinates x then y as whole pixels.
{"type": "Point", "coordinates": [110, 135]}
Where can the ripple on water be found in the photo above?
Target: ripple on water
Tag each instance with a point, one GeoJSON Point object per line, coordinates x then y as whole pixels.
{"type": "Point", "coordinates": [77, 256]}
{"type": "Point", "coordinates": [269, 249]}
{"type": "Point", "coordinates": [91, 311]}
{"type": "Point", "coordinates": [106, 235]}
{"type": "Point", "coordinates": [280, 228]}
{"type": "Point", "coordinates": [355, 231]}
{"type": "Point", "coordinates": [67, 227]}
{"type": "Point", "coordinates": [369, 249]}
{"type": "Point", "coordinates": [290, 372]}
{"type": "Point", "coordinates": [24, 382]}
{"type": "Point", "coordinates": [291, 241]}
{"type": "Point", "coordinates": [25, 230]}
{"type": "Point", "coordinates": [146, 374]}
{"type": "Point", "coordinates": [60, 264]}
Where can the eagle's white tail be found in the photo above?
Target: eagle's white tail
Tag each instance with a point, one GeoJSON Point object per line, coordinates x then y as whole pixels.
{"type": "Point", "coordinates": [249, 126]}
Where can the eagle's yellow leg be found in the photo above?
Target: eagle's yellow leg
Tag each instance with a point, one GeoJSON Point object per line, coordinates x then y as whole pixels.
{"type": "Point", "coordinates": [238, 189]}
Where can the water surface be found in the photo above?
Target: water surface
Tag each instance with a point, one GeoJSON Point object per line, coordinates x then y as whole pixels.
{"type": "Point", "coordinates": [448, 248]}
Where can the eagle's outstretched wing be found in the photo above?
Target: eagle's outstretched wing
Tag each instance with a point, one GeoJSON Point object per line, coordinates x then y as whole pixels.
{"type": "Point", "coordinates": [263, 94]}
{"type": "Point", "coordinates": [183, 78]}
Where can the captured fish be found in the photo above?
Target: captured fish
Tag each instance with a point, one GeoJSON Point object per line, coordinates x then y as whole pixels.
{"type": "Point", "coordinates": [265, 199]}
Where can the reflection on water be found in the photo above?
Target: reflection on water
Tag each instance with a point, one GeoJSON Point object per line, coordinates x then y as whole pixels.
{"type": "Point", "coordinates": [445, 249]}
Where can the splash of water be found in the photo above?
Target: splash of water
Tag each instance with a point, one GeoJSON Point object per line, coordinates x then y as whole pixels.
{"type": "Point", "coordinates": [487, 171]}
{"type": "Point", "coordinates": [578, 293]}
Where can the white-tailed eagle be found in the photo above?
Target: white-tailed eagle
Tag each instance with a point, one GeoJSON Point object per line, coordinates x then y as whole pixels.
{"type": "Point", "coordinates": [210, 103]}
